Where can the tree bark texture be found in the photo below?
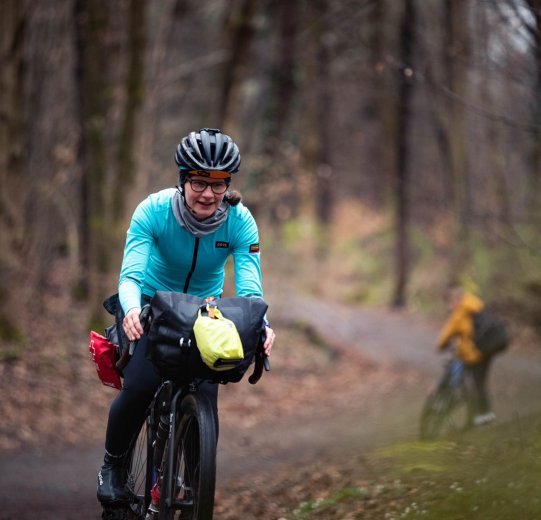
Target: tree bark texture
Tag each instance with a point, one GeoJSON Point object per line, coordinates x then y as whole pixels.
{"type": "Point", "coordinates": [13, 26]}
{"type": "Point", "coordinates": [324, 194]}
{"type": "Point", "coordinates": [534, 184]}
{"type": "Point", "coordinates": [402, 212]}
{"type": "Point", "coordinates": [134, 89]}
{"type": "Point", "coordinates": [383, 91]}
{"type": "Point", "coordinates": [456, 56]}
{"type": "Point", "coordinates": [93, 87]}
{"type": "Point", "coordinates": [239, 34]}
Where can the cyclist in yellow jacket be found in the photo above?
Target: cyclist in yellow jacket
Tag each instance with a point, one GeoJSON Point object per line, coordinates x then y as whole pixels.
{"type": "Point", "coordinates": [459, 326]}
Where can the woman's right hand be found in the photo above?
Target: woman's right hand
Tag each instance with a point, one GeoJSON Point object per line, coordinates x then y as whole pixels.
{"type": "Point", "coordinates": [132, 324]}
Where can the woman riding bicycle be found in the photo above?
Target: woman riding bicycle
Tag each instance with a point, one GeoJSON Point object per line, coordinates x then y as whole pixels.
{"type": "Point", "coordinates": [179, 239]}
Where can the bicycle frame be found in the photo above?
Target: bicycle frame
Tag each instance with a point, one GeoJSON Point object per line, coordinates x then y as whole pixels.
{"type": "Point", "coordinates": [453, 375]}
{"type": "Point", "coordinates": [169, 477]}
{"type": "Point", "coordinates": [169, 401]}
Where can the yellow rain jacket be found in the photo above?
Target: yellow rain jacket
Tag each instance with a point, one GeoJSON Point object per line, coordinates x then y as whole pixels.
{"type": "Point", "coordinates": [460, 325]}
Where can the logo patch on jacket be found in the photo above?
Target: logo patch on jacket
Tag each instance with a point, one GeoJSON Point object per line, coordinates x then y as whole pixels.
{"type": "Point", "coordinates": [222, 245]}
{"type": "Point", "coordinates": [254, 248]}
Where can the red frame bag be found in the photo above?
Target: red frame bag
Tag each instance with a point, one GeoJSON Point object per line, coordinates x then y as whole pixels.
{"type": "Point", "coordinates": [104, 355]}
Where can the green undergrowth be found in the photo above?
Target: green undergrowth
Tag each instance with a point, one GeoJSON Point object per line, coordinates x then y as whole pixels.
{"type": "Point", "coordinates": [491, 473]}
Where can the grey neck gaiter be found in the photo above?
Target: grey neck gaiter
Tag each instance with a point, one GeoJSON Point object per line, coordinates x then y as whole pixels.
{"type": "Point", "coordinates": [198, 228]}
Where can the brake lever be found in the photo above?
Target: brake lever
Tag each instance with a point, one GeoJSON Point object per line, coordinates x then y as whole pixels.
{"type": "Point", "coordinates": [144, 316]}
{"type": "Point", "coordinates": [261, 363]}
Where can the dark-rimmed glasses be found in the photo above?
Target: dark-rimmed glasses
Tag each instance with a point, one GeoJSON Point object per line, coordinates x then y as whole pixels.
{"type": "Point", "coordinates": [199, 186]}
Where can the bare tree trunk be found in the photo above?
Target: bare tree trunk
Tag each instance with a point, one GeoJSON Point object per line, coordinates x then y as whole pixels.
{"type": "Point", "coordinates": [91, 20]}
{"type": "Point", "coordinates": [107, 179]}
{"type": "Point", "coordinates": [12, 36]}
{"type": "Point", "coordinates": [315, 145]}
{"type": "Point", "coordinates": [438, 110]}
{"type": "Point", "coordinates": [324, 196]}
{"type": "Point", "coordinates": [278, 111]}
{"type": "Point", "coordinates": [534, 177]}
{"type": "Point", "coordinates": [456, 56]}
{"type": "Point", "coordinates": [500, 214]}
{"type": "Point", "coordinates": [134, 87]}
{"type": "Point", "coordinates": [239, 33]}
{"type": "Point", "coordinates": [285, 72]}
{"type": "Point", "coordinates": [156, 79]}
{"type": "Point", "coordinates": [402, 213]}
{"type": "Point", "coordinates": [382, 86]}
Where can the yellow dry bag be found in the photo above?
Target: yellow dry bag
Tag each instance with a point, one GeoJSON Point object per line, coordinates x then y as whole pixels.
{"type": "Point", "coordinates": [217, 339]}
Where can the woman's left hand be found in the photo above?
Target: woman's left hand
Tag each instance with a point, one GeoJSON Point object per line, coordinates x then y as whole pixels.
{"type": "Point", "coordinates": [269, 340]}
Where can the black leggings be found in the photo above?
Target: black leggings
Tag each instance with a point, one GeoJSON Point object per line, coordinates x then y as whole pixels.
{"type": "Point", "coordinates": [479, 376]}
{"type": "Point", "coordinates": [127, 412]}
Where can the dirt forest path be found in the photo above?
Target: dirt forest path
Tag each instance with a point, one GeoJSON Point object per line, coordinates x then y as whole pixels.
{"type": "Point", "coordinates": [401, 343]}
{"type": "Point", "coordinates": [48, 483]}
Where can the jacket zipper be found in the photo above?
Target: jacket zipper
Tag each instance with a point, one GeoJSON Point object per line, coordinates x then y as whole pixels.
{"type": "Point", "coordinates": [192, 268]}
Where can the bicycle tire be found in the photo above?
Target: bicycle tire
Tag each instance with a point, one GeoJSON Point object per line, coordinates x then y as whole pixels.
{"type": "Point", "coordinates": [445, 413]}
{"type": "Point", "coordinates": [187, 492]}
{"type": "Point", "coordinates": [114, 513]}
{"type": "Point", "coordinates": [138, 464]}
{"type": "Point", "coordinates": [140, 471]}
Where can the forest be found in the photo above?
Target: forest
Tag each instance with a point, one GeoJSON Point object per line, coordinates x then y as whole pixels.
{"type": "Point", "coordinates": [388, 147]}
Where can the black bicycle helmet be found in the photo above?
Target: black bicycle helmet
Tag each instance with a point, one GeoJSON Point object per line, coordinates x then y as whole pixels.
{"type": "Point", "coordinates": [208, 149]}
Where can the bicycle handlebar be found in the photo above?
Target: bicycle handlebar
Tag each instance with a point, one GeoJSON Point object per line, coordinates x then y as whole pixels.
{"type": "Point", "coordinates": [261, 359]}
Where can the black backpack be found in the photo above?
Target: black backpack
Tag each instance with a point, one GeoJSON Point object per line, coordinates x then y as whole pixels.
{"type": "Point", "coordinates": [490, 333]}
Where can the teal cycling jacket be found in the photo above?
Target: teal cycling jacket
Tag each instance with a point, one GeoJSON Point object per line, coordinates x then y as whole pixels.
{"type": "Point", "coordinates": [161, 255]}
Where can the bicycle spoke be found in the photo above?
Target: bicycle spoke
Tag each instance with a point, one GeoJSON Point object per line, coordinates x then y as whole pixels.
{"type": "Point", "coordinates": [139, 466]}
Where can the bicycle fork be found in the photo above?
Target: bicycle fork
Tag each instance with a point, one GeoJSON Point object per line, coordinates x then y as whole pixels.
{"type": "Point", "coordinates": [163, 431]}
{"type": "Point", "coordinates": [171, 483]}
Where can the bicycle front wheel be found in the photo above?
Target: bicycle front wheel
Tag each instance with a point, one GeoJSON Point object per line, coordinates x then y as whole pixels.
{"type": "Point", "coordinates": [140, 471]}
{"type": "Point", "coordinates": [445, 413]}
{"type": "Point", "coordinates": [188, 489]}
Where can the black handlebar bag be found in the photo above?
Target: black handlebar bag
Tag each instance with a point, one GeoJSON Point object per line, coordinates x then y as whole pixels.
{"type": "Point", "coordinates": [172, 345]}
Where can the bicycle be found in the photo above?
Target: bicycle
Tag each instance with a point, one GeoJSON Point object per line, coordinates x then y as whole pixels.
{"type": "Point", "coordinates": [175, 448]}
{"type": "Point", "coordinates": [448, 407]}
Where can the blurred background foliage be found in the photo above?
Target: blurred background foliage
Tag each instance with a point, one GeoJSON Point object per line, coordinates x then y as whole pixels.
{"type": "Point", "coordinates": [389, 147]}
